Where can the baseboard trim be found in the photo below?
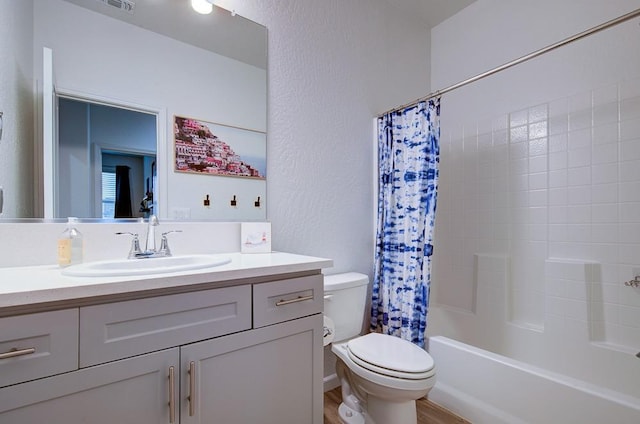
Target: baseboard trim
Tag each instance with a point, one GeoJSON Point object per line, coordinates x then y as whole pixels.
{"type": "Point", "coordinates": [330, 382]}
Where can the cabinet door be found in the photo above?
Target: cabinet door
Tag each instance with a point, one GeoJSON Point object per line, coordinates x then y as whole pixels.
{"type": "Point", "coordinates": [134, 390]}
{"type": "Point", "coordinates": [271, 375]}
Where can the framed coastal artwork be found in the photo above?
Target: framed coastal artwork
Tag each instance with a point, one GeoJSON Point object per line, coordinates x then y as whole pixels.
{"type": "Point", "coordinates": [207, 148]}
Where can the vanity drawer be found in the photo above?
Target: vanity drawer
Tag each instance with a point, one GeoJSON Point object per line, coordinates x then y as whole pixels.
{"type": "Point", "coordinates": [124, 329]}
{"type": "Point", "coordinates": [38, 345]}
{"type": "Point", "coordinates": [287, 299]}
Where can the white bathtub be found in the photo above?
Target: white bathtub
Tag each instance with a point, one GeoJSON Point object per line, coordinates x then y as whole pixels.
{"type": "Point", "coordinates": [484, 387]}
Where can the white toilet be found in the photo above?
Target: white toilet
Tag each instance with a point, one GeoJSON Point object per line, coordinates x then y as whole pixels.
{"type": "Point", "coordinates": [381, 376]}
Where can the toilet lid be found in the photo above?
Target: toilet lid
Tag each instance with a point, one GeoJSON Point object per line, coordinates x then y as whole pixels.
{"type": "Point", "coordinates": [391, 355]}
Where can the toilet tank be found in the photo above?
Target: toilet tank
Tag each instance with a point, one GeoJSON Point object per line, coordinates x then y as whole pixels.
{"type": "Point", "coordinates": [345, 297]}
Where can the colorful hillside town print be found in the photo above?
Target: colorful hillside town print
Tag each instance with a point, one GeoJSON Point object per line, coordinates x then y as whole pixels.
{"type": "Point", "coordinates": [213, 149]}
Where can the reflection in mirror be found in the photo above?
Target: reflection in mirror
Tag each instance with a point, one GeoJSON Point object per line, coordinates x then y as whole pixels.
{"type": "Point", "coordinates": [162, 56]}
{"type": "Point", "coordinates": [109, 157]}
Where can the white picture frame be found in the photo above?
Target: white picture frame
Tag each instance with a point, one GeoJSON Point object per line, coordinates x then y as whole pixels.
{"type": "Point", "coordinates": [255, 237]}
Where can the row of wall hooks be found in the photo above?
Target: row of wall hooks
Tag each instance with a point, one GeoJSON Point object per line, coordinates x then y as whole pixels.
{"type": "Point", "coordinates": [233, 202]}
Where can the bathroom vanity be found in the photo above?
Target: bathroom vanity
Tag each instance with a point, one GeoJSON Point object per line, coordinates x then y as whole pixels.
{"type": "Point", "coordinates": [239, 343]}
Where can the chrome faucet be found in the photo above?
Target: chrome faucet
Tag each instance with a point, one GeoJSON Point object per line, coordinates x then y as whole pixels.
{"type": "Point", "coordinates": [150, 250]}
{"type": "Point", "coordinates": [150, 245]}
{"type": "Point", "coordinates": [135, 251]}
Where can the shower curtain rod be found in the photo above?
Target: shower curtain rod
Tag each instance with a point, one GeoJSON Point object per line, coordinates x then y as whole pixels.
{"type": "Point", "coordinates": [522, 59]}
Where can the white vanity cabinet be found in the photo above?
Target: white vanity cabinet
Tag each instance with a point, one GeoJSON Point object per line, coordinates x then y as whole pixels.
{"type": "Point", "coordinates": [268, 376]}
{"type": "Point", "coordinates": [246, 353]}
{"type": "Point", "coordinates": [133, 390]}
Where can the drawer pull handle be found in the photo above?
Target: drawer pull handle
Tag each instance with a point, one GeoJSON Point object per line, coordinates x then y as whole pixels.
{"type": "Point", "coordinates": [172, 396]}
{"type": "Point", "coordinates": [192, 388]}
{"type": "Point", "coordinates": [17, 352]}
{"type": "Point", "coordinates": [283, 302]}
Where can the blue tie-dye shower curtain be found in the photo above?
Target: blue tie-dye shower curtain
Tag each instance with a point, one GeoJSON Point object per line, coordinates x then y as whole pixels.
{"type": "Point", "coordinates": [408, 156]}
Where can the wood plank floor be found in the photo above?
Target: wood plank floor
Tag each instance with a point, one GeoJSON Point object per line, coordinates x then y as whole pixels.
{"type": "Point", "coordinates": [428, 412]}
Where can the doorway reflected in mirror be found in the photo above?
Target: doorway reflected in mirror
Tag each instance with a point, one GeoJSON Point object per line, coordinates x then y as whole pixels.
{"type": "Point", "coordinates": [106, 161]}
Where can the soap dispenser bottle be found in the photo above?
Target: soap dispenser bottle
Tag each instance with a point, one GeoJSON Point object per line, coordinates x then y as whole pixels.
{"type": "Point", "coordinates": [70, 247]}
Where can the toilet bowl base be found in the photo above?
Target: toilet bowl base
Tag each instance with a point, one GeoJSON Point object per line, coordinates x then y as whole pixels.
{"type": "Point", "coordinates": [350, 416]}
{"type": "Point", "coordinates": [382, 411]}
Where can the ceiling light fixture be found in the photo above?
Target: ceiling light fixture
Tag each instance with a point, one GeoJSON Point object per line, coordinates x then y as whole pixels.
{"type": "Point", "coordinates": [202, 6]}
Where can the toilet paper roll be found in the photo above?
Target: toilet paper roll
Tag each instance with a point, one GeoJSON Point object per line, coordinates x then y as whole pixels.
{"type": "Point", "coordinates": [329, 331]}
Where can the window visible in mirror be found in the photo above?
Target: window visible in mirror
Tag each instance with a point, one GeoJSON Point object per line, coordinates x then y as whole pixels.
{"type": "Point", "coordinates": [108, 194]}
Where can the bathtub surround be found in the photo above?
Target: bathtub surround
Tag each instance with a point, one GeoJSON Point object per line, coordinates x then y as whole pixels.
{"type": "Point", "coordinates": [494, 389]}
{"type": "Point", "coordinates": [538, 224]}
{"type": "Point", "coordinates": [408, 155]}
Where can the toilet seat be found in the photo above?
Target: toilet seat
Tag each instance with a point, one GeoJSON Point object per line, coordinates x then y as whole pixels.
{"type": "Point", "coordinates": [391, 356]}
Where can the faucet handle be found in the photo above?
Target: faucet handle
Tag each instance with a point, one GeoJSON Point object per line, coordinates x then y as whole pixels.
{"type": "Point", "coordinates": [135, 244]}
{"type": "Point", "coordinates": [164, 243]}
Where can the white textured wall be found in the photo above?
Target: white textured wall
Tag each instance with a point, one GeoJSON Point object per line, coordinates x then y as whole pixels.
{"type": "Point", "coordinates": [333, 66]}
{"type": "Point", "coordinates": [16, 102]}
{"type": "Point", "coordinates": [538, 225]}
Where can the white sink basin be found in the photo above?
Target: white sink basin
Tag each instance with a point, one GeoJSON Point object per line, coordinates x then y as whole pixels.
{"type": "Point", "coordinates": [146, 266]}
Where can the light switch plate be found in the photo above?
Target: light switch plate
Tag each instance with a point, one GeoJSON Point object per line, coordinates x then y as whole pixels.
{"type": "Point", "coordinates": [181, 213]}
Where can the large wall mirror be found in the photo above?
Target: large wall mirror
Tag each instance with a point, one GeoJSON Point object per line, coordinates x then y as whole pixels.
{"type": "Point", "coordinates": [148, 87]}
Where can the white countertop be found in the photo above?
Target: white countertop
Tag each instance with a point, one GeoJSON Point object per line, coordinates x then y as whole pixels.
{"type": "Point", "coordinates": [24, 286]}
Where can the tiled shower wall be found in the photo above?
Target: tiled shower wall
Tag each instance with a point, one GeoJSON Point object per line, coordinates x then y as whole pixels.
{"type": "Point", "coordinates": [538, 220]}
{"type": "Point", "coordinates": [547, 187]}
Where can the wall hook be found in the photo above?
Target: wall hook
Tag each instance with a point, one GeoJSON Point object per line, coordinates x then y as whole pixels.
{"type": "Point", "coordinates": [206, 201]}
{"type": "Point", "coordinates": [234, 202]}
{"type": "Point", "coordinates": [633, 283]}
{"type": "Point", "coordinates": [257, 203]}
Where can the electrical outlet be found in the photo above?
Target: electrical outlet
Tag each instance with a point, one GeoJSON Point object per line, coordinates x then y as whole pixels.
{"type": "Point", "coordinates": [181, 213]}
